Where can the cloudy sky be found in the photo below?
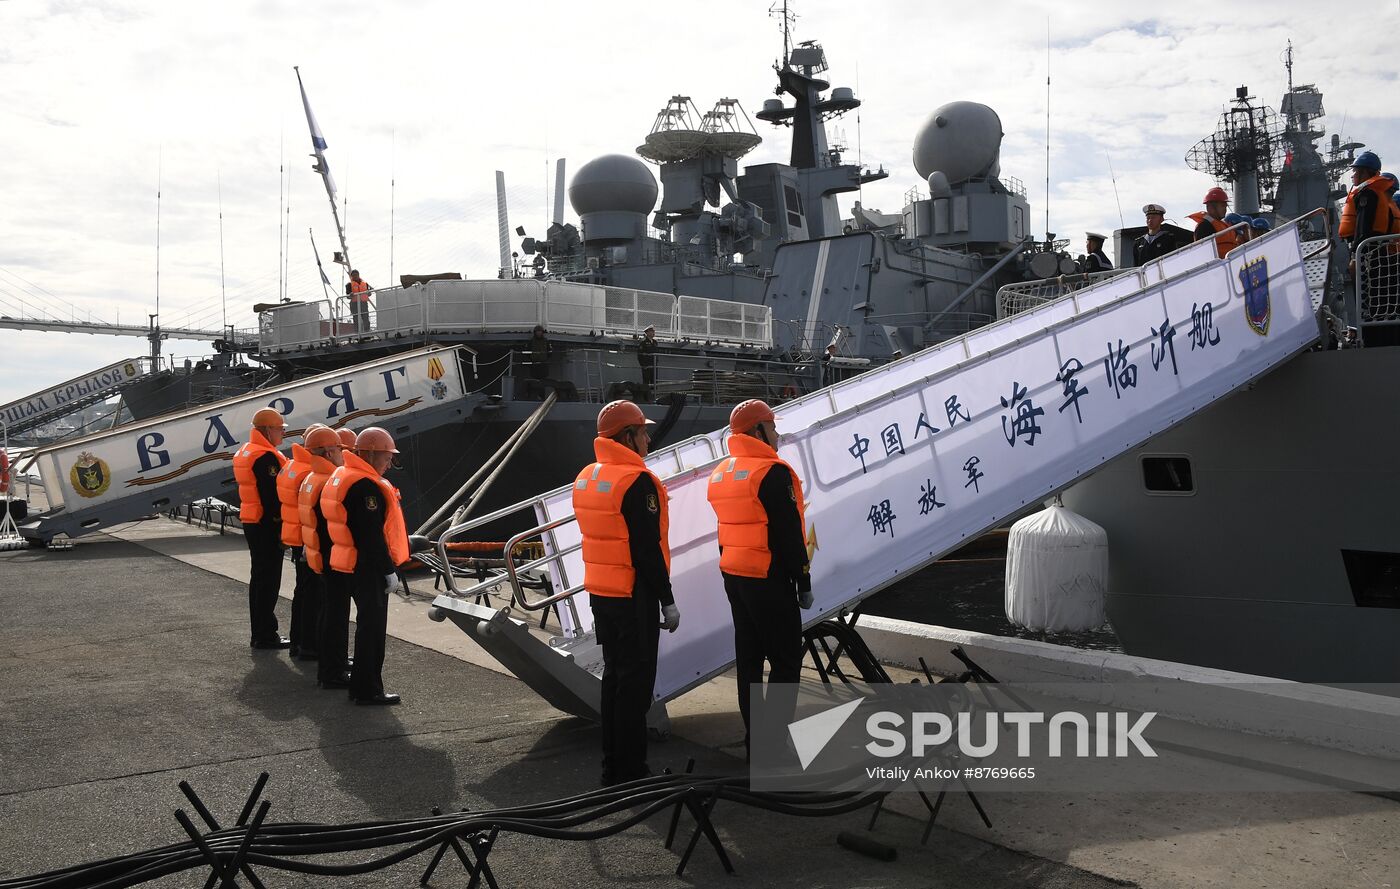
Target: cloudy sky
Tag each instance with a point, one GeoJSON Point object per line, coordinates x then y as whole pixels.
{"type": "Point", "coordinates": [107, 99]}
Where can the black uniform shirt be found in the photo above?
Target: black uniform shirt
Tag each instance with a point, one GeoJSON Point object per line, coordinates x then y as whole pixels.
{"type": "Point", "coordinates": [1097, 262]}
{"type": "Point", "coordinates": [778, 493]}
{"type": "Point", "coordinates": [364, 516]}
{"type": "Point", "coordinates": [646, 352]}
{"type": "Point", "coordinates": [1144, 251]}
{"type": "Point", "coordinates": [265, 471]}
{"type": "Point", "coordinates": [641, 510]}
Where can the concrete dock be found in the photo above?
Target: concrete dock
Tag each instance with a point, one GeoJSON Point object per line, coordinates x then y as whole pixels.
{"type": "Point", "coordinates": [127, 670]}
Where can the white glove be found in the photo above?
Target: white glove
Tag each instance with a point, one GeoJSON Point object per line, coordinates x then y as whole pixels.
{"type": "Point", "coordinates": [391, 580]}
{"type": "Point", "coordinates": [670, 618]}
{"type": "Point", "coordinates": [804, 599]}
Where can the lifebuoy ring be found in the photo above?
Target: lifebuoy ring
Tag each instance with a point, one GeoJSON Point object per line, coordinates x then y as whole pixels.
{"type": "Point", "coordinates": [4, 472]}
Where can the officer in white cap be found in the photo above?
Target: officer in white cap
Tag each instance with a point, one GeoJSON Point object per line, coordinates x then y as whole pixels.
{"type": "Point", "coordinates": [1094, 259]}
{"type": "Point", "coordinates": [1157, 241]}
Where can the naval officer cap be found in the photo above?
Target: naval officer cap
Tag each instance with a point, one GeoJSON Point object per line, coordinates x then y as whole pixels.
{"type": "Point", "coordinates": [1095, 236]}
{"type": "Point", "coordinates": [1149, 209]}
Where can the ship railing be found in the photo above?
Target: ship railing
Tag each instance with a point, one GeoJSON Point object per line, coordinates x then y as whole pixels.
{"type": "Point", "coordinates": [1377, 280]}
{"type": "Point", "coordinates": [511, 305]}
{"type": "Point", "coordinates": [1012, 299]}
{"type": "Point", "coordinates": [517, 575]}
{"type": "Point", "coordinates": [301, 324]}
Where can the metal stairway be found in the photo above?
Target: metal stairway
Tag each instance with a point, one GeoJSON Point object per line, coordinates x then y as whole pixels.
{"type": "Point", "coordinates": [904, 463]}
{"type": "Point", "coordinates": [140, 468]}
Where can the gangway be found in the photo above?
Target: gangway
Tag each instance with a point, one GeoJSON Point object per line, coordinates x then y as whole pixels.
{"type": "Point", "coordinates": [56, 402]}
{"type": "Point", "coordinates": [906, 462]}
{"type": "Point", "coordinates": [140, 468]}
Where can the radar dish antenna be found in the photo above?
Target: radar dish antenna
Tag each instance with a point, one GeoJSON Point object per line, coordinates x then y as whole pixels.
{"type": "Point", "coordinates": [676, 135]}
{"type": "Point", "coordinates": [728, 130]}
{"type": "Point", "coordinates": [1247, 141]}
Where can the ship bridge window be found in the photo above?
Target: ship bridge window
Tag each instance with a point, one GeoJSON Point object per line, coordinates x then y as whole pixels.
{"type": "Point", "coordinates": [1168, 474]}
{"type": "Point", "coordinates": [794, 205]}
{"type": "Point", "coordinates": [1374, 577]}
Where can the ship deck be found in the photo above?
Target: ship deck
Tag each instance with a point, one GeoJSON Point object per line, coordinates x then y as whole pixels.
{"type": "Point", "coordinates": [127, 671]}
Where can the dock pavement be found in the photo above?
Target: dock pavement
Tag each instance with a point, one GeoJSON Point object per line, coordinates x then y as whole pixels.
{"type": "Point", "coordinates": [126, 670]}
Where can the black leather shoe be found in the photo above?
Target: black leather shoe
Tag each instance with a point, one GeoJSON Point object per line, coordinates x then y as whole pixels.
{"type": "Point", "coordinates": [341, 681]}
{"type": "Point", "coordinates": [275, 642]}
{"type": "Point", "coordinates": [382, 698]}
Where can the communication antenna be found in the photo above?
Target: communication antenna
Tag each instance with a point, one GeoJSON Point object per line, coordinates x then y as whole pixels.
{"type": "Point", "coordinates": [281, 194]}
{"type": "Point", "coordinates": [1047, 128]}
{"type": "Point", "coordinates": [1114, 180]}
{"type": "Point", "coordinates": [287, 244]}
{"type": "Point", "coordinates": [558, 217]}
{"type": "Point", "coordinates": [223, 290]}
{"type": "Point", "coordinates": [502, 224]}
{"type": "Point", "coordinates": [393, 145]}
{"type": "Point", "coordinates": [860, 162]}
{"type": "Point", "coordinates": [788, 17]}
{"type": "Point", "coordinates": [160, 166]}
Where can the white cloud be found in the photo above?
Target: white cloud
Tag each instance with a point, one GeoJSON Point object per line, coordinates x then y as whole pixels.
{"type": "Point", "coordinates": [101, 94]}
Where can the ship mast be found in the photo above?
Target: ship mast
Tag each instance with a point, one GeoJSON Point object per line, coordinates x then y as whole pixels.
{"type": "Point", "coordinates": [318, 145]}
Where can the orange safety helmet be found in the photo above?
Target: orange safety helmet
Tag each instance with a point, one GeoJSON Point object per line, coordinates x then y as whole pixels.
{"type": "Point", "coordinates": [618, 415]}
{"type": "Point", "coordinates": [322, 437]}
{"type": "Point", "coordinates": [748, 414]}
{"type": "Point", "coordinates": [347, 437]}
{"type": "Point", "coordinates": [375, 438]}
{"type": "Point", "coordinates": [269, 417]}
{"type": "Point", "coordinates": [1216, 194]}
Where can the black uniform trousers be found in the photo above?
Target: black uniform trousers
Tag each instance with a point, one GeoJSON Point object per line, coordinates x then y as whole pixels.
{"type": "Point", "coordinates": [333, 636]}
{"type": "Point", "coordinates": [371, 626]}
{"type": "Point", "coordinates": [628, 630]}
{"type": "Point", "coordinates": [767, 627]}
{"type": "Point", "coordinates": [306, 606]}
{"type": "Point", "coordinates": [264, 579]}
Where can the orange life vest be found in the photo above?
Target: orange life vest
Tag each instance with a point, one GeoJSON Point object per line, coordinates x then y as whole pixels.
{"type": "Point", "coordinates": [359, 291]}
{"type": "Point", "coordinates": [743, 522]}
{"type": "Point", "coordinates": [309, 508]}
{"type": "Point", "coordinates": [344, 556]}
{"type": "Point", "coordinates": [1223, 244]}
{"type": "Point", "coordinates": [288, 480]}
{"type": "Point", "coordinates": [598, 493]}
{"type": "Point", "coordinates": [250, 507]}
{"type": "Point", "coordinates": [1381, 225]}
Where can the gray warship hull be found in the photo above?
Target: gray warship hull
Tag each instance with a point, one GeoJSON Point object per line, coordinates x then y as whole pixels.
{"type": "Point", "coordinates": [1279, 557]}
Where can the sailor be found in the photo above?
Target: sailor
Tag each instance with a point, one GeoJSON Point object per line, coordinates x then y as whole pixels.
{"type": "Point", "coordinates": [358, 290]}
{"type": "Point", "coordinates": [537, 352]}
{"type": "Point", "coordinates": [1212, 220]}
{"type": "Point", "coordinates": [828, 370]}
{"type": "Point", "coordinates": [333, 668]}
{"type": "Point", "coordinates": [1260, 225]}
{"type": "Point", "coordinates": [757, 499]}
{"type": "Point", "coordinates": [1366, 212]}
{"type": "Point", "coordinates": [368, 542]}
{"type": "Point", "coordinates": [306, 598]}
{"type": "Point", "coordinates": [256, 467]}
{"type": "Point", "coordinates": [622, 516]}
{"type": "Point", "coordinates": [323, 446]}
{"type": "Point", "coordinates": [1244, 232]}
{"type": "Point", "coordinates": [1156, 242]}
{"type": "Point", "coordinates": [1094, 260]}
{"type": "Point", "coordinates": [646, 356]}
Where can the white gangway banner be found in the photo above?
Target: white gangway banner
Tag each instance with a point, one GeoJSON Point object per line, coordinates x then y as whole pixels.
{"type": "Point", "coordinates": [902, 464]}
{"type": "Point", "coordinates": [138, 459]}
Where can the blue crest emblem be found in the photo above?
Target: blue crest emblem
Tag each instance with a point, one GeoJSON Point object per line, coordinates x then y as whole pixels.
{"type": "Point", "coordinates": [1258, 310]}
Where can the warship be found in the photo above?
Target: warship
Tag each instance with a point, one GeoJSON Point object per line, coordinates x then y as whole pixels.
{"type": "Point", "coordinates": [755, 286]}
